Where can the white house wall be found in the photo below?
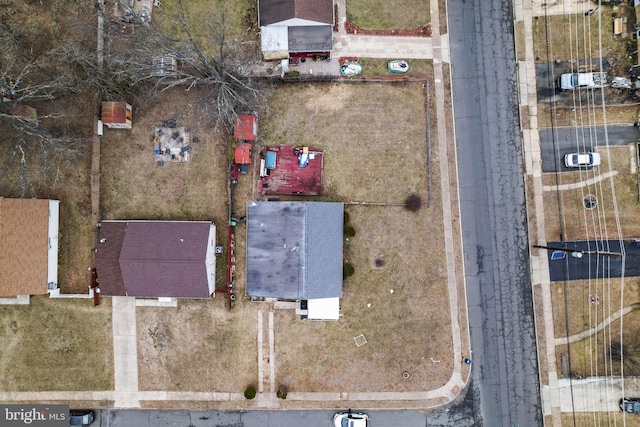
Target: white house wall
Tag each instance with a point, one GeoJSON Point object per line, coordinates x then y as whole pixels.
{"type": "Point", "coordinates": [299, 22]}
{"type": "Point", "coordinates": [52, 252]}
{"type": "Point", "coordinates": [211, 259]}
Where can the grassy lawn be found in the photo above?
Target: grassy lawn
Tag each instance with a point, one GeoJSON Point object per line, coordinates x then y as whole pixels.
{"type": "Point", "coordinates": [205, 18]}
{"type": "Point", "coordinates": [377, 153]}
{"type": "Point", "coordinates": [199, 346]}
{"type": "Point", "coordinates": [386, 15]}
{"type": "Point", "coordinates": [373, 67]}
{"type": "Point", "coordinates": [134, 187]}
{"type": "Point", "coordinates": [576, 37]}
{"type": "Point", "coordinates": [56, 344]}
{"type": "Point", "coordinates": [599, 419]}
{"type": "Point", "coordinates": [577, 220]}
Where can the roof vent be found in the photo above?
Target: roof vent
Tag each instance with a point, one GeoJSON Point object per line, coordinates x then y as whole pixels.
{"type": "Point", "coordinates": [104, 239]}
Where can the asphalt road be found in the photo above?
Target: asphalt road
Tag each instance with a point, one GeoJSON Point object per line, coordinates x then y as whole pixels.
{"type": "Point", "coordinates": [571, 140]}
{"type": "Point", "coordinates": [505, 387]}
{"type": "Point", "coordinates": [184, 418]}
{"type": "Point", "coordinates": [594, 265]}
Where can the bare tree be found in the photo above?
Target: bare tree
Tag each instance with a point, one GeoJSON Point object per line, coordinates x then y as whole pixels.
{"type": "Point", "coordinates": [217, 62]}
{"type": "Point", "coordinates": [33, 76]}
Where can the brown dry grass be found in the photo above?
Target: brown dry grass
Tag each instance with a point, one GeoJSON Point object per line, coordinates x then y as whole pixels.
{"type": "Point", "coordinates": [576, 219]}
{"type": "Point", "coordinates": [574, 298]}
{"type": "Point", "coordinates": [563, 37]}
{"type": "Point", "coordinates": [599, 419]}
{"type": "Point", "coordinates": [590, 357]}
{"type": "Point", "coordinates": [199, 346]}
{"type": "Point", "coordinates": [56, 344]}
{"type": "Point", "coordinates": [570, 116]}
{"type": "Point", "coordinates": [134, 187]}
{"type": "Point", "coordinates": [384, 15]}
{"type": "Point", "coordinates": [374, 153]}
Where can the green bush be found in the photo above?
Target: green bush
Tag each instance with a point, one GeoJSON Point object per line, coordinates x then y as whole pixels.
{"type": "Point", "coordinates": [349, 231]}
{"type": "Point", "coordinates": [250, 393]}
{"type": "Point", "coordinates": [282, 392]}
{"type": "Point", "coordinates": [348, 270]}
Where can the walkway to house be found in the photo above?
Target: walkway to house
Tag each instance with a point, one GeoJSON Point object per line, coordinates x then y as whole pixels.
{"type": "Point", "coordinates": [125, 352]}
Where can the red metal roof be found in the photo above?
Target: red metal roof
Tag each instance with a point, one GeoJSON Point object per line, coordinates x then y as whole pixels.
{"type": "Point", "coordinates": [115, 112]}
{"type": "Point", "coordinates": [243, 154]}
{"type": "Point", "coordinates": [245, 127]}
{"type": "Point", "coordinates": [289, 178]}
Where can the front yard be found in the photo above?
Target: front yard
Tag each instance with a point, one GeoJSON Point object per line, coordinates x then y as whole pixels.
{"type": "Point", "coordinates": [56, 344]}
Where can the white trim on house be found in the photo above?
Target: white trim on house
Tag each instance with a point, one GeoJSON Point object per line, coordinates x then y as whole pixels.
{"type": "Point", "coordinates": [210, 259]}
{"type": "Point", "coordinates": [298, 22]}
{"type": "Point", "coordinates": [52, 248]}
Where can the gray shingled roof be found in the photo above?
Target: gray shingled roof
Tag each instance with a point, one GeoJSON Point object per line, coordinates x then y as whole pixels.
{"type": "Point", "coordinates": [294, 250]}
{"type": "Point", "coordinates": [318, 38]}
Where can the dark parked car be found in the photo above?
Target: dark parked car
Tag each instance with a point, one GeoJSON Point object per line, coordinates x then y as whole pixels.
{"type": "Point", "coordinates": [630, 406]}
{"type": "Point", "coordinates": [81, 417]}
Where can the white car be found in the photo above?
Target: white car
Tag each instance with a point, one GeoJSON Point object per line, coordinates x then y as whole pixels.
{"type": "Point", "coordinates": [350, 419]}
{"type": "Point", "coordinates": [575, 160]}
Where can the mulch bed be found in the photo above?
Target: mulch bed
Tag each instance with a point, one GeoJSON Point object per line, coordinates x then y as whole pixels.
{"type": "Point", "coordinates": [424, 31]}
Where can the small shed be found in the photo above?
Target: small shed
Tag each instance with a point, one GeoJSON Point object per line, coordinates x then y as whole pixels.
{"type": "Point", "coordinates": [116, 115]}
{"type": "Point", "coordinates": [245, 127]}
{"type": "Point", "coordinates": [24, 112]}
{"type": "Point", "coordinates": [165, 66]}
{"type": "Point", "coordinates": [243, 156]}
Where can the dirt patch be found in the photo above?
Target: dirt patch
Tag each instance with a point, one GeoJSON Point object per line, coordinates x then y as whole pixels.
{"type": "Point", "coordinates": [423, 31]}
{"type": "Point", "coordinates": [56, 343]}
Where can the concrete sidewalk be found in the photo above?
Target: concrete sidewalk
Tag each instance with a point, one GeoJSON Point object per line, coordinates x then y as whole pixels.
{"type": "Point", "coordinates": [125, 352]}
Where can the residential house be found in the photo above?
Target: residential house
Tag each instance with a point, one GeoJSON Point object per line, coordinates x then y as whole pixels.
{"type": "Point", "coordinates": [295, 28]}
{"type": "Point", "coordinates": [156, 259]}
{"type": "Point", "coordinates": [28, 246]}
{"type": "Point", "coordinates": [294, 252]}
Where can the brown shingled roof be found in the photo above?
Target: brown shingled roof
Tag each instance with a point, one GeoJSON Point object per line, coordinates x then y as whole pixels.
{"type": "Point", "coordinates": [153, 259]}
{"type": "Point", "coordinates": [24, 234]}
{"type": "Point", "coordinates": [274, 11]}
{"type": "Point", "coordinates": [111, 236]}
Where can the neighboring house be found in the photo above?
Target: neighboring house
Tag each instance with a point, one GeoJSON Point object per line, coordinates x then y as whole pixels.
{"type": "Point", "coordinates": [28, 246]}
{"type": "Point", "coordinates": [295, 28]}
{"type": "Point", "coordinates": [116, 115]}
{"type": "Point", "coordinates": [156, 259]}
{"type": "Point", "coordinates": [294, 252]}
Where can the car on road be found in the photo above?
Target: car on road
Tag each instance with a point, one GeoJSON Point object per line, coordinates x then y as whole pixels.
{"type": "Point", "coordinates": [576, 160]}
{"type": "Point", "coordinates": [349, 419]}
{"type": "Point", "coordinates": [630, 406]}
{"type": "Point", "coordinates": [81, 417]}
